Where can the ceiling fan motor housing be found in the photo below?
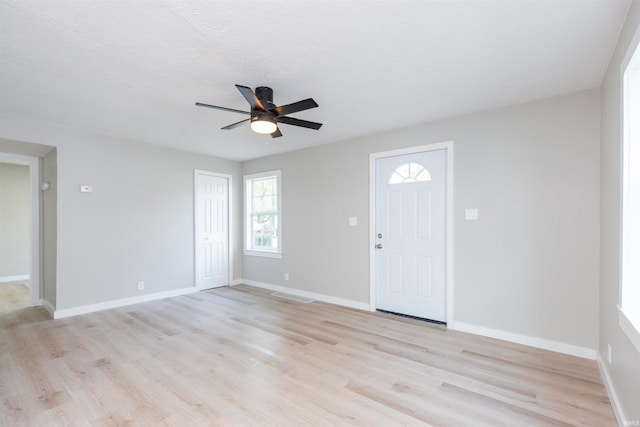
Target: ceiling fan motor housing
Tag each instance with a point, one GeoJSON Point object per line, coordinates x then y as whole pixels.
{"type": "Point", "coordinates": [264, 93]}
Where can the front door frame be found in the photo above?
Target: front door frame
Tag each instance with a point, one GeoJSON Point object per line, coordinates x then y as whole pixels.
{"type": "Point", "coordinates": [196, 174]}
{"type": "Point", "coordinates": [373, 157]}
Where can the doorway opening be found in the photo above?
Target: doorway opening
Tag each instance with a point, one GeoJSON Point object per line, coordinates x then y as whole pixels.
{"type": "Point", "coordinates": [19, 232]}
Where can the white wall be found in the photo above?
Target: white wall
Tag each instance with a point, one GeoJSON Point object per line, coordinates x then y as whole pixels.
{"type": "Point", "coordinates": [137, 225]}
{"type": "Point", "coordinates": [15, 214]}
{"type": "Point", "coordinates": [624, 370]}
{"type": "Point", "coordinates": [529, 266]}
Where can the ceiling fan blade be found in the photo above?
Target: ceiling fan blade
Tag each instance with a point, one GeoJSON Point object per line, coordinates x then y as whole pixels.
{"type": "Point", "coordinates": [233, 110]}
{"type": "Point", "coordinates": [305, 104]}
{"type": "Point", "coordinates": [251, 97]}
{"type": "Point", "coordinates": [276, 134]}
{"type": "Point", "coordinates": [236, 124]}
{"type": "Point", "coordinates": [298, 122]}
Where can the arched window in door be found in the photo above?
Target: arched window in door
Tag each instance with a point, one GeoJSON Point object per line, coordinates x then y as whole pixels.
{"type": "Point", "coordinates": [409, 172]}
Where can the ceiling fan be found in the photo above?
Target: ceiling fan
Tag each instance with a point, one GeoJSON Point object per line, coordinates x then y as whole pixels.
{"type": "Point", "coordinates": [265, 115]}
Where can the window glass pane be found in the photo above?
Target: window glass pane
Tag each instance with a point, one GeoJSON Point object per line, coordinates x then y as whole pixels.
{"type": "Point", "coordinates": [423, 175]}
{"type": "Point", "coordinates": [256, 204]}
{"type": "Point", "coordinates": [264, 231]}
{"type": "Point", "coordinates": [271, 187]}
{"type": "Point", "coordinates": [268, 204]}
{"type": "Point", "coordinates": [261, 205]}
{"type": "Point", "coordinates": [395, 178]}
{"type": "Point", "coordinates": [415, 169]}
{"type": "Point", "coordinates": [630, 296]}
{"type": "Point", "coordinates": [256, 189]}
{"type": "Point", "coordinates": [404, 170]}
{"type": "Point", "coordinates": [408, 173]}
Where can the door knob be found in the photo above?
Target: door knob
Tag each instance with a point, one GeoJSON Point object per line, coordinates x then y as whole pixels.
{"type": "Point", "coordinates": [379, 246]}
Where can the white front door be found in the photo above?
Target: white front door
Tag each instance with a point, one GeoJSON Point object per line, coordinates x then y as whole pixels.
{"type": "Point", "coordinates": [411, 234]}
{"type": "Point", "coordinates": [212, 230]}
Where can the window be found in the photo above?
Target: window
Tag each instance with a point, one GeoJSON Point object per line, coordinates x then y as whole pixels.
{"type": "Point", "coordinates": [630, 274]}
{"type": "Point", "coordinates": [263, 214]}
{"type": "Point", "coordinates": [409, 172]}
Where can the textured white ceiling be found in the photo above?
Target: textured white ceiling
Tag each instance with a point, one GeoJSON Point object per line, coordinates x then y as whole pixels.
{"type": "Point", "coordinates": [134, 69]}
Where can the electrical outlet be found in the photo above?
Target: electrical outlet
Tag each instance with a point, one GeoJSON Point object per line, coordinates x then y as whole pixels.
{"type": "Point", "coordinates": [609, 353]}
{"type": "Point", "coordinates": [286, 276]}
{"type": "Point", "coordinates": [140, 286]}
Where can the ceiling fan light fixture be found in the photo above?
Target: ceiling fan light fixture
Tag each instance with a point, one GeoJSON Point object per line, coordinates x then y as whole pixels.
{"type": "Point", "coordinates": [263, 124]}
{"type": "Point", "coordinates": [264, 114]}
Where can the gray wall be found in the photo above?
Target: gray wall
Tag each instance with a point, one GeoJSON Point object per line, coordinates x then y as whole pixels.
{"type": "Point", "coordinates": [137, 225]}
{"type": "Point", "coordinates": [15, 215]}
{"type": "Point", "coordinates": [49, 173]}
{"type": "Point", "coordinates": [625, 369]}
{"type": "Point", "coordinates": [530, 264]}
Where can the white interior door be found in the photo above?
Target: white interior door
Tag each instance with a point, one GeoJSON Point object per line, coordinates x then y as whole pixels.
{"type": "Point", "coordinates": [212, 230]}
{"type": "Point", "coordinates": [411, 234]}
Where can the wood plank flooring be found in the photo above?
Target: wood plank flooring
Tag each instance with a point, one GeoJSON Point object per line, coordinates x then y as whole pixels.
{"type": "Point", "coordinates": [14, 296]}
{"type": "Point", "coordinates": [241, 357]}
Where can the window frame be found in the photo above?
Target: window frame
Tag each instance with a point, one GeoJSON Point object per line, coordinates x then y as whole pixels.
{"type": "Point", "coordinates": [630, 324]}
{"type": "Point", "coordinates": [249, 248]}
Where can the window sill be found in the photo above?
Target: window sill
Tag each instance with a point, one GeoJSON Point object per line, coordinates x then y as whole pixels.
{"type": "Point", "coordinates": [632, 333]}
{"type": "Point", "coordinates": [265, 254]}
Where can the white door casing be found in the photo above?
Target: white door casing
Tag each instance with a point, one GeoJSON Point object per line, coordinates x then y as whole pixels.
{"type": "Point", "coordinates": [212, 236]}
{"type": "Point", "coordinates": [411, 232]}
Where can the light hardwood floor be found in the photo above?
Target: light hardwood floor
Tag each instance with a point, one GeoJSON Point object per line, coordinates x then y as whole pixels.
{"type": "Point", "coordinates": [239, 356]}
{"type": "Point", "coordinates": [14, 296]}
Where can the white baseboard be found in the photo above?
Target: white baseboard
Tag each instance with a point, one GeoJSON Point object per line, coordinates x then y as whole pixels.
{"type": "Point", "coordinates": [15, 278]}
{"type": "Point", "coordinates": [297, 292]}
{"type": "Point", "coordinates": [586, 353]}
{"type": "Point", "coordinates": [59, 314]}
{"type": "Point", "coordinates": [49, 307]}
{"type": "Point", "coordinates": [611, 391]}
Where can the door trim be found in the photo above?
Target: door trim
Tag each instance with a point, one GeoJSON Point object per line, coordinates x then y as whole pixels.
{"type": "Point", "coordinates": [35, 238]}
{"type": "Point", "coordinates": [196, 219]}
{"type": "Point", "coordinates": [448, 146]}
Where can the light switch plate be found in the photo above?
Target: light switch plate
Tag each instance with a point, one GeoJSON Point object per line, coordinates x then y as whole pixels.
{"type": "Point", "coordinates": [471, 214]}
{"type": "Point", "coordinates": [353, 220]}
